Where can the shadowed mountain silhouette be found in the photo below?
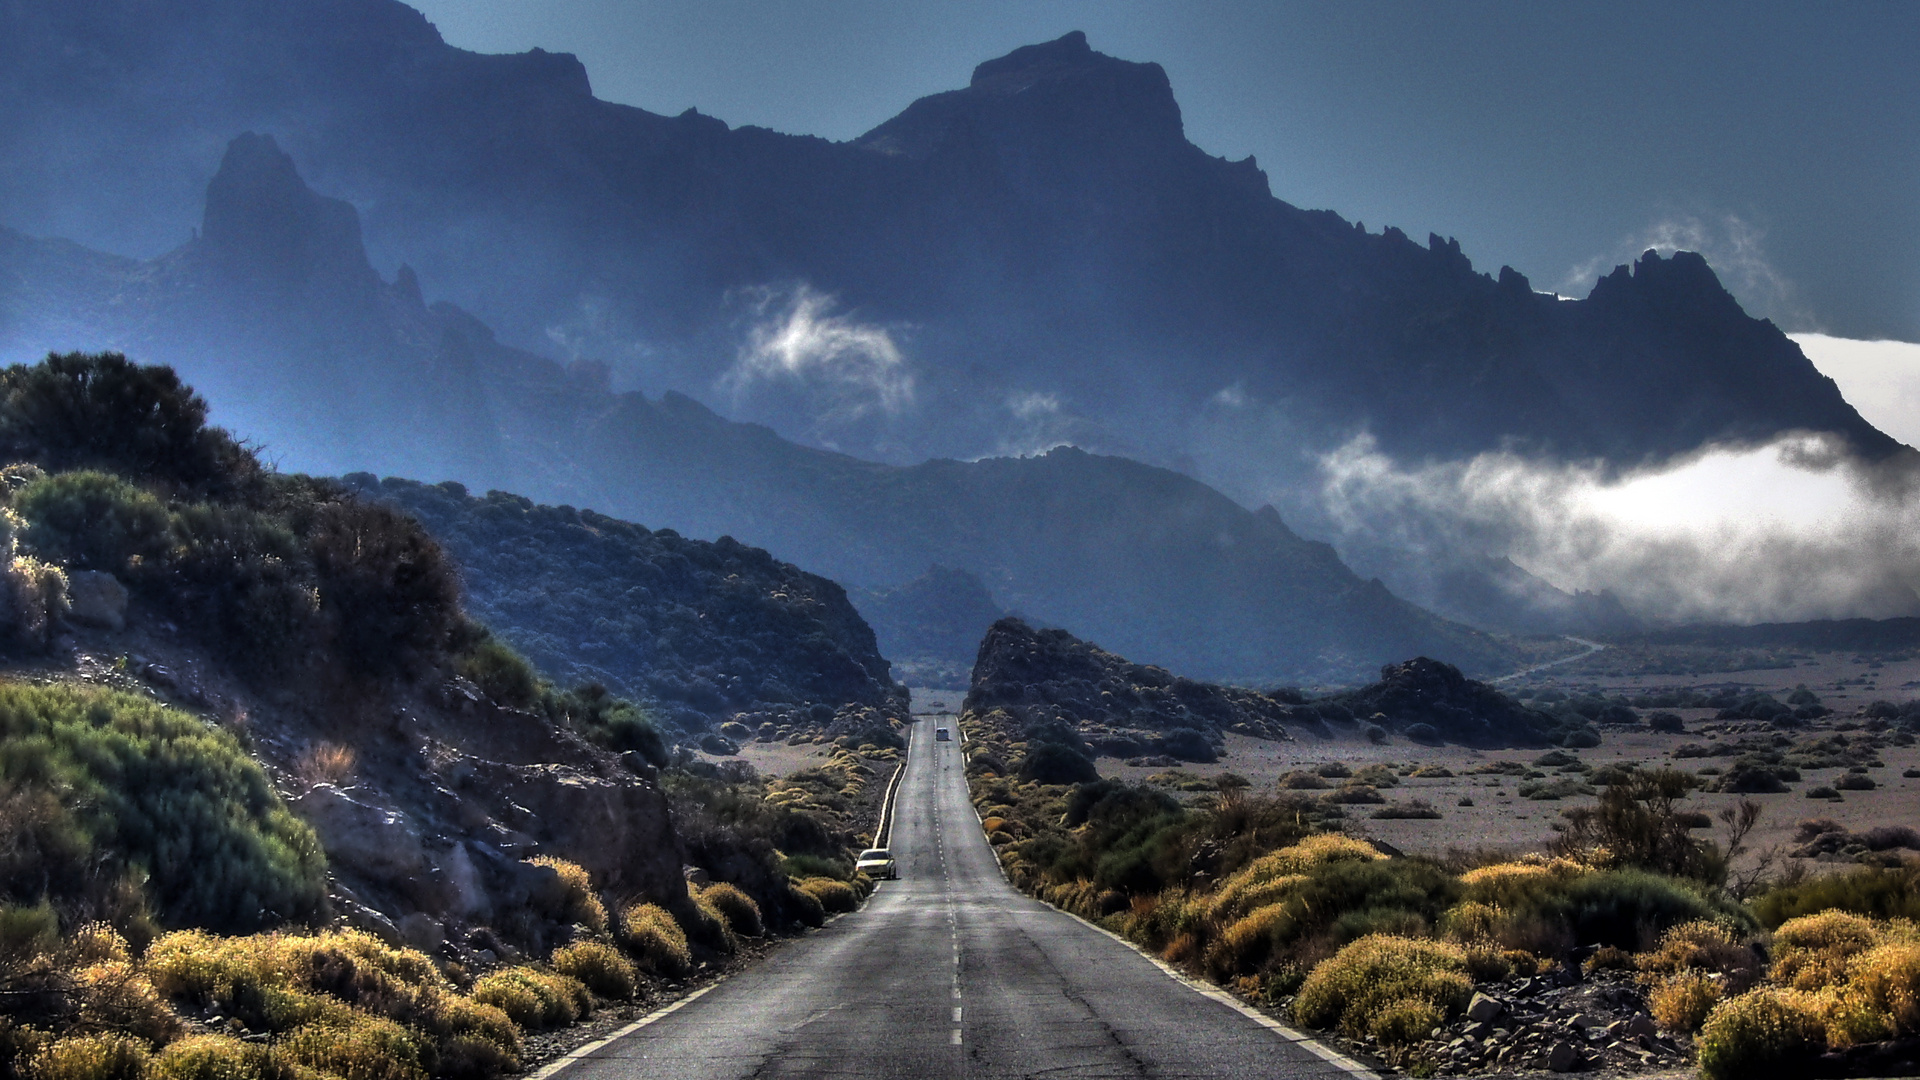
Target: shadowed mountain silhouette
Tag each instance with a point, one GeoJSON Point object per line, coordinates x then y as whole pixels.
{"type": "Point", "coordinates": [350, 373]}
{"type": "Point", "coordinates": [1053, 257]}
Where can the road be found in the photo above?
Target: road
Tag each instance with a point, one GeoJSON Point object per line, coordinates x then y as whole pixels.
{"type": "Point", "coordinates": [1591, 647]}
{"type": "Point", "coordinates": [949, 972]}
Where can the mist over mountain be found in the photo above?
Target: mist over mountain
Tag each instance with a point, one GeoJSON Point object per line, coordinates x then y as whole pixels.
{"type": "Point", "coordinates": [324, 361]}
{"type": "Point", "coordinates": [1038, 257]}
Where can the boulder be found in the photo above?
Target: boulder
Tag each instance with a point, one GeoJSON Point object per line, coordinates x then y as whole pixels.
{"type": "Point", "coordinates": [422, 931]}
{"type": "Point", "coordinates": [1565, 1057]}
{"type": "Point", "coordinates": [376, 842]}
{"type": "Point", "coordinates": [97, 599]}
{"type": "Point", "coordinates": [1484, 1008]}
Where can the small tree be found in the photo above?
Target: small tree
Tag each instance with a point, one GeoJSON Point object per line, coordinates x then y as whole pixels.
{"type": "Point", "coordinates": [1637, 822]}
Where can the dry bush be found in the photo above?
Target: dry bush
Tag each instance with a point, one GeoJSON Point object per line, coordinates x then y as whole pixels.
{"type": "Point", "coordinates": [579, 903]}
{"type": "Point", "coordinates": [96, 943]}
{"type": "Point", "coordinates": [1760, 1032]}
{"type": "Point", "coordinates": [326, 763]}
{"type": "Point", "coordinates": [1374, 985]}
{"type": "Point", "coordinates": [533, 998]}
{"type": "Point", "coordinates": [806, 906]}
{"type": "Point", "coordinates": [1887, 979]}
{"type": "Point", "coordinates": [1682, 1001]}
{"type": "Point", "coordinates": [1471, 921]}
{"type": "Point", "coordinates": [1516, 884]}
{"type": "Point", "coordinates": [360, 1048]}
{"type": "Point", "coordinates": [108, 1056]}
{"type": "Point", "coordinates": [1814, 950]}
{"type": "Point", "coordinates": [1704, 945]}
{"type": "Point", "coordinates": [116, 996]}
{"type": "Point", "coordinates": [741, 913]}
{"type": "Point", "coordinates": [1245, 946]}
{"type": "Point", "coordinates": [707, 926]}
{"type": "Point", "coordinates": [210, 1057]}
{"type": "Point", "coordinates": [837, 897]}
{"type": "Point", "coordinates": [656, 941]}
{"type": "Point", "coordinates": [600, 967]}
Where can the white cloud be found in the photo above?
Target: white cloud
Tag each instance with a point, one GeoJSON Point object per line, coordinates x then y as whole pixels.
{"type": "Point", "coordinates": [1785, 532]}
{"type": "Point", "coordinates": [797, 339]}
{"type": "Point", "coordinates": [1879, 378]}
{"type": "Point", "coordinates": [1032, 404]}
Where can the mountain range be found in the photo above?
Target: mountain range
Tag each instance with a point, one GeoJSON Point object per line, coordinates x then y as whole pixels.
{"type": "Point", "coordinates": [275, 313]}
{"type": "Point", "coordinates": [802, 343]}
{"type": "Point", "coordinates": [1040, 256]}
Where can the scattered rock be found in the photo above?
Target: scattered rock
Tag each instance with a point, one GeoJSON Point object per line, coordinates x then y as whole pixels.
{"type": "Point", "coordinates": [1564, 1057]}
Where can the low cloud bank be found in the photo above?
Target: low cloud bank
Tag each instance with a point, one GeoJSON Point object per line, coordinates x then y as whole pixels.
{"type": "Point", "coordinates": [1789, 531]}
{"type": "Point", "coordinates": [1879, 378]}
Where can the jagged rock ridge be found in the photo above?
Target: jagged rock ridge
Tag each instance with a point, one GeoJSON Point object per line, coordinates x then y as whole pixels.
{"type": "Point", "coordinates": [1152, 561]}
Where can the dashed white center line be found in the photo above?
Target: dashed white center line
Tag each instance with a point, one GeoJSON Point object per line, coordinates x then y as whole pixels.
{"type": "Point", "coordinates": [956, 1036]}
{"type": "Point", "coordinates": [956, 1014]}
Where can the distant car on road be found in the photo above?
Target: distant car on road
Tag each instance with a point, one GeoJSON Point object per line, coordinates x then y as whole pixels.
{"type": "Point", "coordinates": [941, 734]}
{"type": "Point", "coordinates": [878, 863]}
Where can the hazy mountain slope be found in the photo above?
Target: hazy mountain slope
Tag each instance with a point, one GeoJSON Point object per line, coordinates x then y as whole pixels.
{"type": "Point", "coordinates": [1067, 261]}
{"type": "Point", "coordinates": [931, 626]}
{"type": "Point", "coordinates": [712, 628]}
{"type": "Point", "coordinates": [276, 306]}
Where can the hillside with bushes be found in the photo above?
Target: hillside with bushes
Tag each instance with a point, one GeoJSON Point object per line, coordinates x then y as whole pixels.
{"type": "Point", "coordinates": [240, 702]}
{"type": "Point", "coordinates": [697, 631]}
{"type": "Point", "coordinates": [1648, 935]}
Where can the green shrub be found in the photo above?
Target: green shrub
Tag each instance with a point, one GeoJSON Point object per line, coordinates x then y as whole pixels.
{"type": "Point", "coordinates": [390, 596]}
{"type": "Point", "coordinates": [736, 907]}
{"type": "Point", "coordinates": [600, 967]}
{"type": "Point", "coordinates": [1885, 893]}
{"type": "Point", "coordinates": [157, 791]}
{"type": "Point", "coordinates": [107, 1056]}
{"type": "Point", "coordinates": [1052, 763]}
{"type": "Point", "coordinates": [1378, 985]}
{"type": "Point", "coordinates": [1761, 1032]}
{"type": "Point", "coordinates": [502, 674]}
{"type": "Point", "coordinates": [248, 579]}
{"type": "Point", "coordinates": [1632, 908]}
{"type": "Point", "coordinates": [656, 941]}
{"type": "Point", "coordinates": [94, 521]}
{"type": "Point", "coordinates": [79, 411]}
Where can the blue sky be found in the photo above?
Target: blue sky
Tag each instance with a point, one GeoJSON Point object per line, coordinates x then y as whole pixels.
{"type": "Point", "coordinates": [1782, 140]}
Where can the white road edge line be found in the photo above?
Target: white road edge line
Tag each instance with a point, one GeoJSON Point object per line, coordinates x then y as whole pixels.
{"type": "Point", "coordinates": [581, 1052]}
{"type": "Point", "coordinates": [1293, 1035]}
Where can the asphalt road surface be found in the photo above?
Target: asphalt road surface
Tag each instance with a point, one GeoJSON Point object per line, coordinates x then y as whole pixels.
{"type": "Point", "coordinates": [949, 972]}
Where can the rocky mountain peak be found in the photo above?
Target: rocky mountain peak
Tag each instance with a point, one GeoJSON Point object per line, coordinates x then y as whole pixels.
{"type": "Point", "coordinates": [265, 228]}
{"type": "Point", "coordinates": [1059, 94]}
